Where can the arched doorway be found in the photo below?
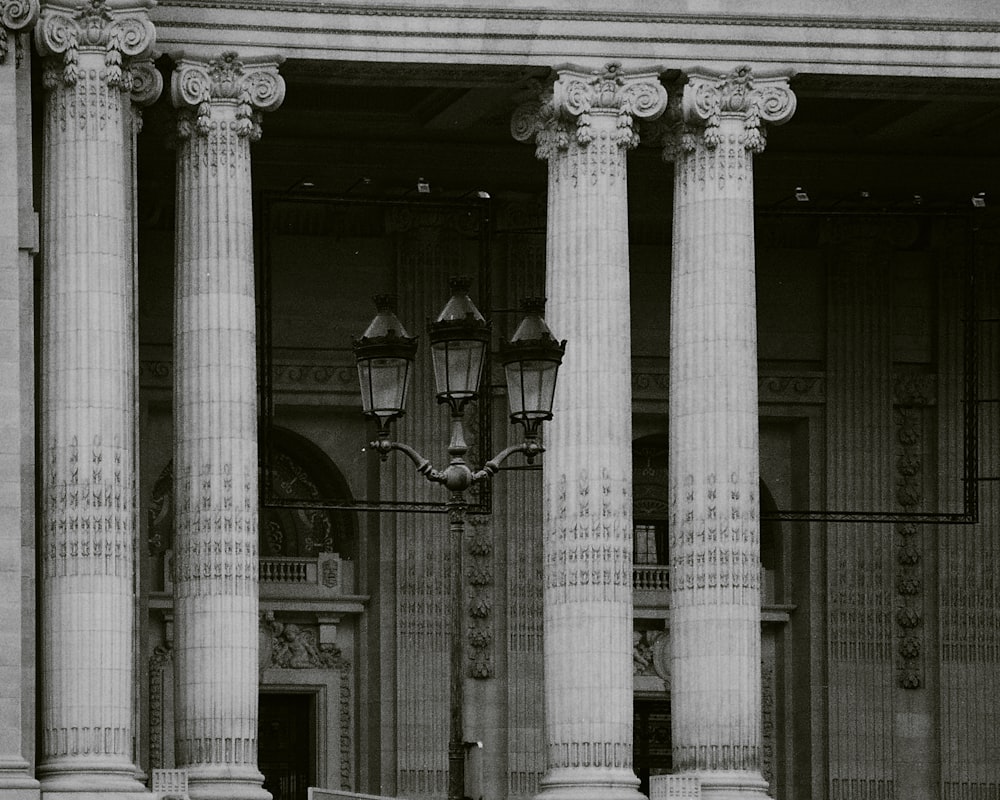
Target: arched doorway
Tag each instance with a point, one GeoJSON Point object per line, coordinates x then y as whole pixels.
{"type": "Point", "coordinates": [295, 474]}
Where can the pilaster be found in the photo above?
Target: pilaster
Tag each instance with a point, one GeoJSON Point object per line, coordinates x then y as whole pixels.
{"type": "Point", "coordinates": [215, 424]}
{"type": "Point", "coordinates": [18, 245]}
{"type": "Point", "coordinates": [520, 497]}
{"type": "Point", "coordinates": [860, 559]}
{"type": "Point", "coordinates": [584, 127]}
{"type": "Point", "coordinates": [428, 252]}
{"type": "Point", "coordinates": [713, 440]}
{"type": "Point", "coordinates": [87, 420]}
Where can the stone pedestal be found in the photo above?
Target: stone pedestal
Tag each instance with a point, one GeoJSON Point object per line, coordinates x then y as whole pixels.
{"type": "Point", "coordinates": [215, 425]}
{"type": "Point", "coordinates": [713, 450]}
{"type": "Point", "coordinates": [87, 421]}
{"type": "Point", "coordinates": [585, 128]}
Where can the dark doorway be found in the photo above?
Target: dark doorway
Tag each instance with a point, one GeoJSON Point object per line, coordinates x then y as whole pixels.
{"type": "Point", "coordinates": [286, 743]}
{"type": "Point", "coordinates": [652, 739]}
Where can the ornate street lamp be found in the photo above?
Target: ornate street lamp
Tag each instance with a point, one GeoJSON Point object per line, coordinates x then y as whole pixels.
{"type": "Point", "coordinates": [384, 354]}
{"type": "Point", "coordinates": [459, 340]}
{"type": "Point", "coordinates": [531, 361]}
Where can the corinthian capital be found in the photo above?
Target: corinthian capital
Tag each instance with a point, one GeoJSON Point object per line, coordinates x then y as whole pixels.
{"type": "Point", "coordinates": [251, 84]}
{"type": "Point", "coordinates": [68, 29]}
{"type": "Point", "coordinates": [709, 98]}
{"type": "Point", "coordinates": [15, 16]}
{"type": "Point", "coordinates": [579, 98]}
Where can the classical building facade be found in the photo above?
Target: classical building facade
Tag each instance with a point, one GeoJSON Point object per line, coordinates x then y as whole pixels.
{"type": "Point", "coordinates": [759, 555]}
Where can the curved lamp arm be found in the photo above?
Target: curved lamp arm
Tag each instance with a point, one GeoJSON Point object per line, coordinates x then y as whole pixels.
{"type": "Point", "coordinates": [423, 465]}
{"type": "Point", "coordinates": [530, 448]}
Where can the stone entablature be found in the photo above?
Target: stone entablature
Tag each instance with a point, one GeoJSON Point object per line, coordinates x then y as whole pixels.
{"type": "Point", "coordinates": [930, 40]}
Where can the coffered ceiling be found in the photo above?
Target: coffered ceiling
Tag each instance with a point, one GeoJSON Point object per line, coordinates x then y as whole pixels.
{"type": "Point", "coordinates": [379, 129]}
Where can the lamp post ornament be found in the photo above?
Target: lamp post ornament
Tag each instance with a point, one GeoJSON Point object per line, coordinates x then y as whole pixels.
{"type": "Point", "coordinates": [459, 340]}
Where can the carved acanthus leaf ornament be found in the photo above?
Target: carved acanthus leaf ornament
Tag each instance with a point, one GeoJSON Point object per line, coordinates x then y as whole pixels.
{"type": "Point", "coordinates": [569, 108]}
{"type": "Point", "coordinates": [253, 85]}
{"type": "Point", "coordinates": [710, 98]}
{"type": "Point", "coordinates": [120, 33]}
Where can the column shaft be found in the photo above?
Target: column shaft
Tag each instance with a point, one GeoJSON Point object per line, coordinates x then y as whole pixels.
{"type": "Point", "coordinates": [87, 421]}
{"type": "Point", "coordinates": [587, 550]}
{"type": "Point", "coordinates": [714, 451]}
{"type": "Point", "coordinates": [215, 440]}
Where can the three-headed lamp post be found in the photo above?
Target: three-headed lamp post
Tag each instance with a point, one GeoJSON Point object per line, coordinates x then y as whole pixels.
{"type": "Point", "coordinates": [459, 338]}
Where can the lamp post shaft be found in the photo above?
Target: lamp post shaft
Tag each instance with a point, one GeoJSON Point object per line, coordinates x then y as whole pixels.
{"type": "Point", "coordinates": [460, 341]}
{"type": "Point", "coordinates": [456, 732]}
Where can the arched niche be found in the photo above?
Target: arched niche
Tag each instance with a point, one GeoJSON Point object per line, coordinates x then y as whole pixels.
{"type": "Point", "coordinates": [650, 500]}
{"type": "Point", "coordinates": [298, 474]}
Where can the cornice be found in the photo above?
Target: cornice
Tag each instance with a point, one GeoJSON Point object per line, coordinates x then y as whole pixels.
{"type": "Point", "coordinates": [602, 16]}
{"type": "Point", "coordinates": [469, 33]}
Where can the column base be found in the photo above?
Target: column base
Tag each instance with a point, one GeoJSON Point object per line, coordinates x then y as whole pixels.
{"type": "Point", "coordinates": [589, 784]}
{"type": "Point", "coordinates": [225, 783]}
{"type": "Point", "coordinates": [71, 778]}
{"type": "Point", "coordinates": [88, 795]}
{"type": "Point", "coordinates": [732, 785]}
{"type": "Point", "coordinates": [16, 781]}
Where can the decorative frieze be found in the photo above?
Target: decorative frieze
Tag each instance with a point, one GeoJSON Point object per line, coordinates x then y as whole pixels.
{"type": "Point", "coordinates": [289, 645]}
{"type": "Point", "coordinates": [650, 381]}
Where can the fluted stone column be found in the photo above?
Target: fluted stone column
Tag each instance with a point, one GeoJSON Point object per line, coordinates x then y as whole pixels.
{"type": "Point", "coordinates": [585, 128]}
{"type": "Point", "coordinates": [713, 450]}
{"type": "Point", "coordinates": [18, 244]}
{"type": "Point", "coordinates": [87, 420]}
{"type": "Point", "coordinates": [215, 424]}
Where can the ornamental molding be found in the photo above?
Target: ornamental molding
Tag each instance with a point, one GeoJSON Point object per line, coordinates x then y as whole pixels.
{"type": "Point", "coordinates": [466, 12]}
{"type": "Point", "coordinates": [160, 677]}
{"type": "Point", "coordinates": [251, 84]}
{"type": "Point", "coordinates": [288, 374]}
{"type": "Point", "coordinates": [120, 33]}
{"type": "Point", "coordinates": [709, 98]}
{"type": "Point", "coordinates": [289, 645]}
{"type": "Point", "coordinates": [914, 389]}
{"type": "Point", "coordinates": [570, 108]}
{"type": "Point", "coordinates": [651, 655]}
{"type": "Point", "coordinates": [480, 578]}
{"type": "Point", "coordinates": [652, 383]}
{"type": "Point", "coordinates": [15, 16]}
